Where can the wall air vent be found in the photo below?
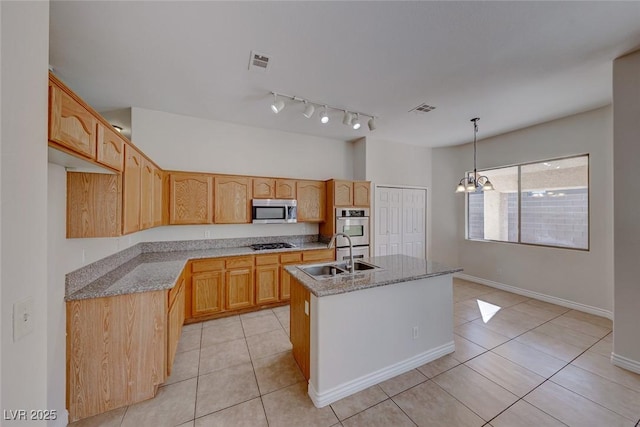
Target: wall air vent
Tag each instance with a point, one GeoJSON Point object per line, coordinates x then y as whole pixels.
{"type": "Point", "coordinates": [422, 108]}
{"type": "Point", "coordinates": [259, 61]}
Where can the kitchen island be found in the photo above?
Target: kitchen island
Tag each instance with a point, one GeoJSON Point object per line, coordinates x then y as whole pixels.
{"type": "Point", "coordinates": [354, 330]}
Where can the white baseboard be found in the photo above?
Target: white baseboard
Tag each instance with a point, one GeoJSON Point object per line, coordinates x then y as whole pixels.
{"type": "Point", "coordinates": [625, 363]}
{"type": "Point", "coordinates": [350, 387]}
{"type": "Point", "coordinates": [536, 295]}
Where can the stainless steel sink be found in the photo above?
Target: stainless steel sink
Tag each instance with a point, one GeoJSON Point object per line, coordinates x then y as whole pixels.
{"type": "Point", "coordinates": [358, 266]}
{"type": "Point", "coordinates": [323, 271]}
{"type": "Point", "coordinates": [327, 271]}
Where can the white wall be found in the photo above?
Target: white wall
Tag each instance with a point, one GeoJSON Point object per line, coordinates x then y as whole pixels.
{"type": "Point", "coordinates": [626, 103]}
{"type": "Point", "coordinates": [581, 277]}
{"type": "Point", "coordinates": [178, 142]}
{"type": "Point", "coordinates": [397, 164]}
{"type": "Point", "coordinates": [23, 211]}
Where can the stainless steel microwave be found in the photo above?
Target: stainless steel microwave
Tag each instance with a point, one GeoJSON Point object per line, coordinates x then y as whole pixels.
{"type": "Point", "coordinates": [274, 211]}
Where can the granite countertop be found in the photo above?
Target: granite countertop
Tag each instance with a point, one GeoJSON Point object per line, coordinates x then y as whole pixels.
{"type": "Point", "coordinates": [156, 271]}
{"type": "Point", "coordinates": [395, 269]}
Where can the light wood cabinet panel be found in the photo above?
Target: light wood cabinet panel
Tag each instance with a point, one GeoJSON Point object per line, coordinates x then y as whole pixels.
{"type": "Point", "coordinates": [311, 201]}
{"type": "Point", "coordinates": [362, 193]}
{"type": "Point", "coordinates": [158, 196]}
{"type": "Point", "coordinates": [267, 259]}
{"type": "Point", "coordinates": [175, 321]}
{"type": "Point", "coordinates": [285, 284]}
{"type": "Point", "coordinates": [190, 198]}
{"type": "Point", "coordinates": [207, 292]}
{"type": "Point", "coordinates": [267, 283]}
{"type": "Point", "coordinates": [131, 190]}
{"type": "Point", "coordinates": [110, 148]}
{"type": "Point", "coordinates": [285, 188]}
{"type": "Point", "coordinates": [116, 351]}
{"type": "Point", "coordinates": [239, 288]}
{"type": "Point", "coordinates": [264, 188]}
{"type": "Point", "coordinates": [319, 255]}
{"type": "Point", "coordinates": [93, 205]}
{"type": "Point", "coordinates": [232, 195]}
{"type": "Point", "coordinates": [300, 326]}
{"type": "Point", "coordinates": [71, 125]}
{"type": "Point", "coordinates": [343, 193]}
{"type": "Point", "coordinates": [146, 194]}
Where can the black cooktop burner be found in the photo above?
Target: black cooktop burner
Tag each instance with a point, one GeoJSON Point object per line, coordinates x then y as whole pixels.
{"type": "Point", "coordinates": [264, 246]}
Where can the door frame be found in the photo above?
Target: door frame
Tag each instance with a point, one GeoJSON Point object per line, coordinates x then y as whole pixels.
{"type": "Point", "coordinates": [427, 215]}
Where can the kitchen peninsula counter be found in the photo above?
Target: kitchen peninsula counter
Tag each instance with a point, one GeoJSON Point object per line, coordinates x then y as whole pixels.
{"type": "Point", "coordinates": [152, 271]}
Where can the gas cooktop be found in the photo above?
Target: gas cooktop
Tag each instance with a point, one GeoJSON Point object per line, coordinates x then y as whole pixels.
{"type": "Point", "coordinates": [278, 245]}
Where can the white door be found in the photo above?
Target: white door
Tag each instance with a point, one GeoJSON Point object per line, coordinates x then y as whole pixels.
{"type": "Point", "coordinates": [400, 221]}
{"type": "Point", "coordinates": [413, 215]}
{"type": "Point", "coordinates": [388, 221]}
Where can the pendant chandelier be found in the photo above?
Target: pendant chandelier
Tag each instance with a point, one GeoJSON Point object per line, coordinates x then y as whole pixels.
{"type": "Point", "coordinates": [472, 183]}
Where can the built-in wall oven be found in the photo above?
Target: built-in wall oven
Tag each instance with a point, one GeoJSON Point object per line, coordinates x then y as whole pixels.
{"type": "Point", "coordinates": [353, 222]}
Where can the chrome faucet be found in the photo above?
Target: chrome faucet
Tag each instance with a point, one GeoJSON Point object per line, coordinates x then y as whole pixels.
{"type": "Point", "coordinates": [333, 240]}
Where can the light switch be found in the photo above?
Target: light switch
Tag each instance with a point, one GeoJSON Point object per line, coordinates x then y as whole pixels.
{"type": "Point", "coordinates": [22, 318]}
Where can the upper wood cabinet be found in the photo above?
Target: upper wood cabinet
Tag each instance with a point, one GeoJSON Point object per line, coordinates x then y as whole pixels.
{"type": "Point", "coordinates": [285, 189]}
{"type": "Point", "coordinates": [349, 193]}
{"type": "Point", "coordinates": [311, 201]}
{"type": "Point", "coordinates": [158, 197]}
{"type": "Point", "coordinates": [264, 188]}
{"type": "Point", "coordinates": [110, 148]}
{"type": "Point", "coordinates": [190, 196]}
{"type": "Point", "coordinates": [146, 194]}
{"type": "Point", "coordinates": [232, 195]}
{"type": "Point", "coordinates": [93, 205]}
{"type": "Point", "coordinates": [362, 193]}
{"type": "Point", "coordinates": [131, 190]}
{"type": "Point", "coordinates": [342, 193]}
{"type": "Point", "coordinates": [71, 125]}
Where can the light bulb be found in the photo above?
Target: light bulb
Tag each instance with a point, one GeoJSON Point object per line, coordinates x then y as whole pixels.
{"type": "Point", "coordinates": [356, 123]}
{"type": "Point", "coordinates": [278, 104]}
{"type": "Point", "coordinates": [347, 118]}
{"type": "Point", "coordinates": [308, 111]}
{"type": "Point", "coordinates": [324, 117]}
{"type": "Point", "coordinates": [372, 123]}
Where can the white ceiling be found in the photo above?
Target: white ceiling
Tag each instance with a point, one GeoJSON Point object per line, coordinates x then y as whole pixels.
{"type": "Point", "coordinates": [513, 64]}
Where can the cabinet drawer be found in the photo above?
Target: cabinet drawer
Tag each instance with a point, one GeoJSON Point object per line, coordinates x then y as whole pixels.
{"type": "Point", "coordinates": [267, 259]}
{"type": "Point", "coordinates": [319, 255]}
{"type": "Point", "coordinates": [207, 265]}
{"type": "Point", "coordinates": [291, 258]}
{"type": "Point", "coordinates": [238, 262]}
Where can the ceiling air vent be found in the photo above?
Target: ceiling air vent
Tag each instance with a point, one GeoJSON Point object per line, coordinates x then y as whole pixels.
{"type": "Point", "coordinates": [259, 61]}
{"type": "Point", "coordinates": [423, 108]}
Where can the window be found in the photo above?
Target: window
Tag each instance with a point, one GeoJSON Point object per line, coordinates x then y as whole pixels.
{"type": "Point", "coordinates": [544, 203]}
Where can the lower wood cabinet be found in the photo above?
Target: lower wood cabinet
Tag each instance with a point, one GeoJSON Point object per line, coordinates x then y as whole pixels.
{"type": "Point", "coordinates": [207, 292]}
{"type": "Point", "coordinates": [301, 326]}
{"type": "Point", "coordinates": [175, 320]}
{"type": "Point", "coordinates": [116, 351]}
{"type": "Point", "coordinates": [239, 288]}
{"type": "Point", "coordinates": [267, 279]}
{"type": "Point", "coordinates": [227, 284]}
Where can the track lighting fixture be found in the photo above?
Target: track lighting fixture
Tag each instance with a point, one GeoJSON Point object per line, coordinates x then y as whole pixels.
{"type": "Point", "coordinates": [347, 118]}
{"type": "Point", "coordinates": [278, 104]}
{"type": "Point", "coordinates": [324, 117]}
{"type": "Point", "coordinates": [350, 118]}
{"type": "Point", "coordinates": [356, 123]}
{"type": "Point", "coordinates": [308, 110]}
{"type": "Point", "coordinates": [372, 123]}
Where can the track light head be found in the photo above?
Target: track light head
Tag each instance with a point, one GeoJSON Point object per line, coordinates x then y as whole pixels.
{"type": "Point", "coordinates": [372, 123]}
{"type": "Point", "coordinates": [308, 110]}
{"type": "Point", "coordinates": [278, 104]}
{"type": "Point", "coordinates": [324, 117]}
{"type": "Point", "coordinates": [356, 123]}
{"type": "Point", "coordinates": [347, 118]}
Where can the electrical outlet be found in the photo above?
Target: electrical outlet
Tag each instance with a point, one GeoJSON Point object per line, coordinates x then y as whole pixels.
{"type": "Point", "coordinates": [22, 318]}
{"type": "Point", "coordinates": [207, 234]}
{"type": "Point", "coordinates": [415, 332]}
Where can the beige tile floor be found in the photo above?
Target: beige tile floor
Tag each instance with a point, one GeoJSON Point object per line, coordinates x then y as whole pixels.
{"type": "Point", "coordinates": [531, 364]}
